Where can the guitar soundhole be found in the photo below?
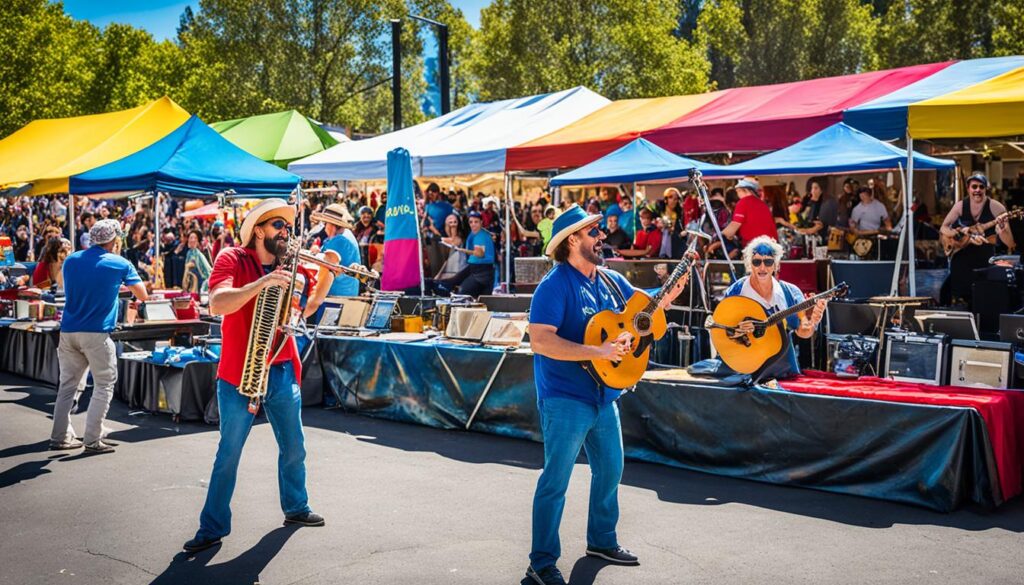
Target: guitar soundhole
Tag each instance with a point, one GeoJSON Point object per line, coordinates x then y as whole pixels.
{"type": "Point", "coordinates": [642, 322]}
{"type": "Point", "coordinates": [604, 336]}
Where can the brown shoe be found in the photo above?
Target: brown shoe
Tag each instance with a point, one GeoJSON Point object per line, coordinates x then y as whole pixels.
{"type": "Point", "coordinates": [65, 445]}
{"type": "Point", "coordinates": [99, 447]}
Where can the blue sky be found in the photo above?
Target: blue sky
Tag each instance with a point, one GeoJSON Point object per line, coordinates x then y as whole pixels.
{"type": "Point", "coordinates": [160, 17]}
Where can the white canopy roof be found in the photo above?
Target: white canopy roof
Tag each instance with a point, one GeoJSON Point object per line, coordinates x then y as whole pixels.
{"type": "Point", "coordinates": [469, 140]}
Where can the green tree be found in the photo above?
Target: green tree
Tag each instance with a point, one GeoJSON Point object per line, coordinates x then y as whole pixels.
{"type": "Point", "coordinates": [752, 42]}
{"type": "Point", "coordinates": [45, 63]}
{"type": "Point", "coordinates": [619, 48]}
{"type": "Point", "coordinates": [928, 31]}
{"type": "Point", "coordinates": [1008, 28]}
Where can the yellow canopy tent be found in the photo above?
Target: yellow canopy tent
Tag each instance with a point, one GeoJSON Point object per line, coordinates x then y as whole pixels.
{"type": "Point", "coordinates": [46, 152]}
{"type": "Point", "coordinates": [984, 110]}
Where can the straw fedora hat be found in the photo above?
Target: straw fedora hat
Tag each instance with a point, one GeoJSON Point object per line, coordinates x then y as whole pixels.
{"type": "Point", "coordinates": [336, 214]}
{"type": "Point", "coordinates": [568, 223]}
{"type": "Point", "coordinates": [267, 209]}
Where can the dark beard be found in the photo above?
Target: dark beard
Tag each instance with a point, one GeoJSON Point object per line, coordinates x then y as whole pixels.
{"type": "Point", "coordinates": [279, 247]}
{"type": "Point", "coordinates": [590, 256]}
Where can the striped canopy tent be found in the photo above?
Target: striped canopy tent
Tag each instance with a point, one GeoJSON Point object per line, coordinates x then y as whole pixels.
{"type": "Point", "coordinates": [277, 138]}
{"type": "Point", "coordinates": [603, 131]}
{"type": "Point", "coordinates": [992, 108]}
{"type": "Point", "coordinates": [45, 153]}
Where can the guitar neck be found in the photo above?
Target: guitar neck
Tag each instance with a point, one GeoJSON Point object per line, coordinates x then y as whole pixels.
{"type": "Point", "coordinates": [802, 306]}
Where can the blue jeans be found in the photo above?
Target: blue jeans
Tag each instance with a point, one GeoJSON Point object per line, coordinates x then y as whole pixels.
{"type": "Point", "coordinates": [567, 425]}
{"type": "Point", "coordinates": [283, 405]}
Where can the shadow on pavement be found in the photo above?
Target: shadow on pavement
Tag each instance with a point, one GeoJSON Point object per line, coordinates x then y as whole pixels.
{"type": "Point", "coordinates": [245, 568]}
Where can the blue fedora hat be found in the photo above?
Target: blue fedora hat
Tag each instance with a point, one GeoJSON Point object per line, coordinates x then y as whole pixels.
{"type": "Point", "coordinates": [572, 219]}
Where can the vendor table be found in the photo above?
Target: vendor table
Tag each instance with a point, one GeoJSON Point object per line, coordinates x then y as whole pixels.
{"type": "Point", "coordinates": [30, 354]}
{"type": "Point", "coordinates": [931, 455]}
{"type": "Point", "coordinates": [185, 391]}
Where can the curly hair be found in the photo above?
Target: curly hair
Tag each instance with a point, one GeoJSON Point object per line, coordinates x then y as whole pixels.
{"type": "Point", "coordinates": [762, 246]}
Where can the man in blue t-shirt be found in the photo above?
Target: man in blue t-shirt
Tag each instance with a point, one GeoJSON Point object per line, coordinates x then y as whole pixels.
{"type": "Point", "coordinates": [577, 411]}
{"type": "Point", "coordinates": [92, 281]}
{"type": "Point", "coordinates": [477, 277]}
{"type": "Point", "coordinates": [341, 248]}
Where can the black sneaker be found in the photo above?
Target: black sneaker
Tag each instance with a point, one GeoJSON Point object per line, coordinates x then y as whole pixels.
{"type": "Point", "coordinates": [549, 575]}
{"type": "Point", "coordinates": [197, 544]}
{"type": "Point", "coordinates": [99, 447]}
{"type": "Point", "coordinates": [305, 519]}
{"type": "Point", "coordinates": [65, 445]}
{"type": "Point", "coordinates": [617, 555]}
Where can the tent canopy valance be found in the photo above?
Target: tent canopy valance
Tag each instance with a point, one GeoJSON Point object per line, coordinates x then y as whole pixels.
{"type": "Point", "coordinates": [277, 138]}
{"type": "Point", "coordinates": [638, 161]}
{"type": "Point", "coordinates": [192, 161]}
{"type": "Point", "coordinates": [992, 108]}
{"type": "Point", "coordinates": [885, 117]}
{"type": "Point", "coordinates": [836, 149]}
{"type": "Point", "coordinates": [471, 140]}
{"type": "Point", "coordinates": [46, 152]}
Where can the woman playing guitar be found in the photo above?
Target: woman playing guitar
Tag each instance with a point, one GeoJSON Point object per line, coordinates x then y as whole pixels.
{"type": "Point", "coordinates": [761, 257]}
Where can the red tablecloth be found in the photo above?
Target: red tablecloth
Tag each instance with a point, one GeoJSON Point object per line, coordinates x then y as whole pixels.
{"type": "Point", "coordinates": [1002, 410]}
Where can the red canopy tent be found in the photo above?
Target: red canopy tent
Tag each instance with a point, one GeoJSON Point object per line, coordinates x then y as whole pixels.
{"type": "Point", "coordinates": [769, 117]}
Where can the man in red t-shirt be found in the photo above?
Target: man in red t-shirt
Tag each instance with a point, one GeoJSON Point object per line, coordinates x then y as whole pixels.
{"type": "Point", "coordinates": [647, 243]}
{"type": "Point", "coordinates": [238, 276]}
{"type": "Point", "coordinates": [751, 217]}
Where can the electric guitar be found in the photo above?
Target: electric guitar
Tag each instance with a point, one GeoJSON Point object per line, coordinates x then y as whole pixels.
{"type": "Point", "coordinates": [642, 318]}
{"type": "Point", "coordinates": [953, 244]}
{"type": "Point", "coordinates": [748, 353]}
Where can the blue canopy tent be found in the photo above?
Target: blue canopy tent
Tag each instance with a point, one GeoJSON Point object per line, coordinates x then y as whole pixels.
{"type": "Point", "coordinates": [836, 149]}
{"type": "Point", "coordinates": [192, 161]}
{"type": "Point", "coordinates": [637, 162]}
{"type": "Point", "coordinates": [842, 149]}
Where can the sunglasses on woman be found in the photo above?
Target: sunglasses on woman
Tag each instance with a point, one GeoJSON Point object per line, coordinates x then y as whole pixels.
{"type": "Point", "coordinates": [768, 262]}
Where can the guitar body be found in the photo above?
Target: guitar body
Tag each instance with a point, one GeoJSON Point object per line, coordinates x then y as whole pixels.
{"type": "Point", "coordinates": [645, 328]}
{"type": "Point", "coordinates": [748, 354]}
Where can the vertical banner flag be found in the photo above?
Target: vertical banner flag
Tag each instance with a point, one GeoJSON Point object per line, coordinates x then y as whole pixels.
{"type": "Point", "coordinates": [401, 262]}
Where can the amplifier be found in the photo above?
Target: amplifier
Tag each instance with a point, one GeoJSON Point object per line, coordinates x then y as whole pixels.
{"type": "Point", "coordinates": [851, 355]}
{"type": "Point", "coordinates": [1011, 328]}
{"type": "Point", "coordinates": [985, 364]}
{"type": "Point", "coordinates": [915, 358]}
{"type": "Point", "coordinates": [507, 303]}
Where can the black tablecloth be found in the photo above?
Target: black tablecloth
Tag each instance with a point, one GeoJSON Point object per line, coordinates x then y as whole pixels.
{"type": "Point", "coordinates": [188, 392]}
{"type": "Point", "coordinates": [31, 354]}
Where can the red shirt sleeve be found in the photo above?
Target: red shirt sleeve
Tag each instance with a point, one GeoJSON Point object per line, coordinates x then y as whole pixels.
{"type": "Point", "coordinates": [225, 267]}
{"type": "Point", "coordinates": [654, 241]}
{"type": "Point", "coordinates": [739, 213]}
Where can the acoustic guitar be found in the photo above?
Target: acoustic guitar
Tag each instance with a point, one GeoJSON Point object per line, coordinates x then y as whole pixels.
{"type": "Point", "coordinates": [953, 244]}
{"type": "Point", "coordinates": [748, 353]}
{"type": "Point", "coordinates": [642, 318]}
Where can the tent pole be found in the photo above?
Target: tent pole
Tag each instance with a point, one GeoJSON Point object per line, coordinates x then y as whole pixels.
{"type": "Point", "coordinates": [419, 240]}
{"type": "Point", "coordinates": [894, 288]}
{"type": "Point", "coordinates": [632, 205]}
{"type": "Point", "coordinates": [508, 233]}
{"type": "Point", "coordinates": [31, 235]}
{"type": "Point", "coordinates": [156, 239]}
{"type": "Point", "coordinates": [908, 203]}
{"type": "Point", "coordinates": [956, 184]}
{"type": "Point", "coordinates": [71, 220]}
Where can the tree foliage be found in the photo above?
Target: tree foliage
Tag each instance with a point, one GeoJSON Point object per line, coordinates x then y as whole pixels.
{"type": "Point", "coordinates": [618, 48]}
{"type": "Point", "coordinates": [331, 59]}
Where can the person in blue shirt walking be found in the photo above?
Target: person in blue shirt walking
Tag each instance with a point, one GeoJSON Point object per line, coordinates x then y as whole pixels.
{"type": "Point", "coordinates": [341, 248]}
{"type": "Point", "coordinates": [576, 410]}
{"type": "Point", "coordinates": [92, 281]}
{"type": "Point", "coordinates": [477, 277]}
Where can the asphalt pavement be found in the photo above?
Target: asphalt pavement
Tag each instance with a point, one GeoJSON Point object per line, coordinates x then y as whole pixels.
{"type": "Point", "coordinates": [408, 504]}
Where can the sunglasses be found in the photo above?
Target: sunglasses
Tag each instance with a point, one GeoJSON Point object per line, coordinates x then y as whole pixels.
{"type": "Point", "coordinates": [277, 224]}
{"type": "Point", "coordinates": [768, 262]}
{"type": "Point", "coordinates": [594, 231]}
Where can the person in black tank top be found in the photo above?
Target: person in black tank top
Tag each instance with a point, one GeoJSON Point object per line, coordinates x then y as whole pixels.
{"type": "Point", "coordinates": [975, 209]}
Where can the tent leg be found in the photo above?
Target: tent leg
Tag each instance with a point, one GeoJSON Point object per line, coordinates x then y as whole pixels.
{"type": "Point", "coordinates": [909, 202]}
{"type": "Point", "coordinates": [31, 235]}
{"type": "Point", "coordinates": [508, 233]}
{"type": "Point", "coordinates": [894, 288]}
{"type": "Point", "coordinates": [71, 220]}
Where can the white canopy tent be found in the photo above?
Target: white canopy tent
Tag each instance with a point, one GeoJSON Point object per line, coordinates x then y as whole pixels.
{"type": "Point", "coordinates": [470, 140]}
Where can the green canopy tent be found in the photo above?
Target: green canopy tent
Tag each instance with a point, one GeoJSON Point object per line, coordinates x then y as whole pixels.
{"type": "Point", "coordinates": [277, 138]}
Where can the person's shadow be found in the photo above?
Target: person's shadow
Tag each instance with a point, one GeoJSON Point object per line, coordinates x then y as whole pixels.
{"type": "Point", "coordinates": [245, 568]}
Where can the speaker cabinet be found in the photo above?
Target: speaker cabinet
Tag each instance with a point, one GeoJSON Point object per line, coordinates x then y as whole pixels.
{"type": "Point", "coordinates": [915, 358]}
{"type": "Point", "coordinates": [984, 364]}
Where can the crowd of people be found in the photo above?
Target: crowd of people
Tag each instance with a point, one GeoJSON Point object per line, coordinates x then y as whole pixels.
{"type": "Point", "coordinates": [457, 255]}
